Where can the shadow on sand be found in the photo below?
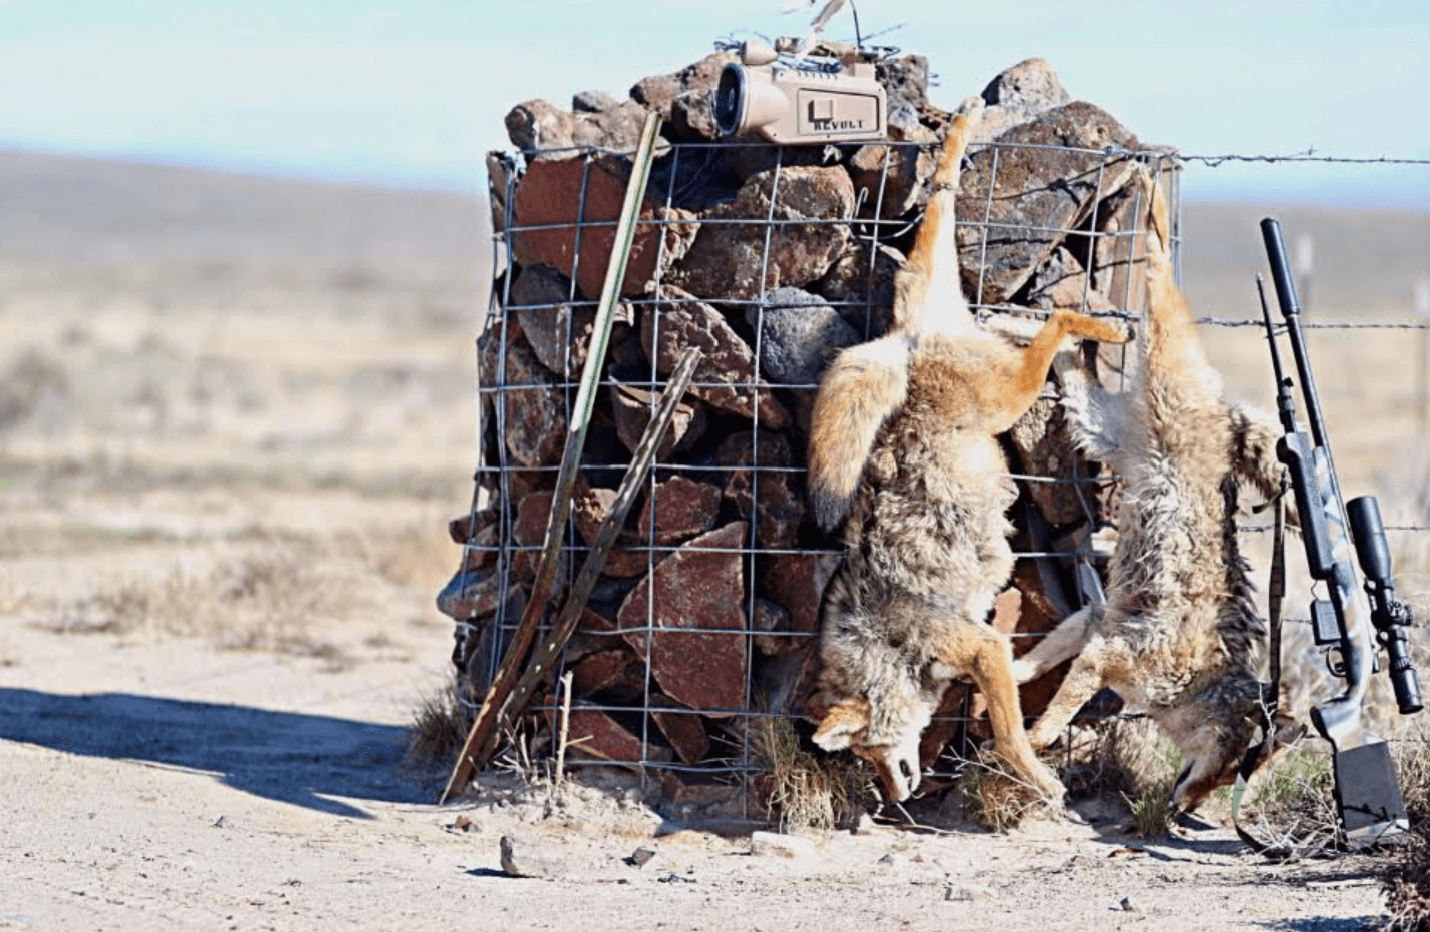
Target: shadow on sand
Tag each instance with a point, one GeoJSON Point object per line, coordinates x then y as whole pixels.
{"type": "Point", "coordinates": [305, 760]}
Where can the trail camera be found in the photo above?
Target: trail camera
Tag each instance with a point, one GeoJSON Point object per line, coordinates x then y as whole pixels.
{"type": "Point", "coordinates": [831, 95]}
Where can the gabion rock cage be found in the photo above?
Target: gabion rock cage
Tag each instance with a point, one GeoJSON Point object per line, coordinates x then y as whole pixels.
{"type": "Point", "coordinates": [700, 636]}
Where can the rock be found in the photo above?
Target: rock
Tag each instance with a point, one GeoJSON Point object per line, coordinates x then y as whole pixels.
{"type": "Point", "coordinates": [589, 508]}
{"type": "Point", "coordinates": [797, 582]}
{"type": "Point", "coordinates": [1039, 192]}
{"type": "Point", "coordinates": [777, 845]}
{"type": "Point", "coordinates": [528, 534]}
{"type": "Point", "coordinates": [727, 366]}
{"type": "Point", "coordinates": [521, 860]}
{"type": "Point", "coordinates": [606, 670]}
{"type": "Point", "coordinates": [558, 329]}
{"type": "Point", "coordinates": [776, 499]}
{"type": "Point", "coordinates": [593, 102]}
{"type": "Point", "coordinates": [639, 857]}
{"type": "Point", "coordinates": [798, 335]}
{"type": "Point", "coordinates": [894, 178]}
{"type": "Point", "coordinates": [550, 196]}
{"type": "Point", "coordinates": [739, 449]}
{"type": "Point", "coordinates": [615, 130]}
{"type": "Point", "coordinates": [967, 892]}
{"type": "Point", "coordinates": [682, 509]}
{"type": "Point", "coordinates": [725, 261]}
{"type": "Point", "coordinates": [864, 825]}
{"type": "Point", "coordinates": [539, 125]}
{"type": "Point", "coordinates": [861, 288]}
{"type": "Point", "coordinates": [1017, 95]}
{"type": "Point", "coordinates": [1127, 906]}
{"type": "Point", "coordinates": [545, 132]}
{"type": "Point", "coordinates": [905, 80]}
{"type": "Point", "coordinates": [1046, 449]}
{"type": "Point", "coordinates": [535, 409]}
{"type": "Point", "coordinates": [605, 738]}
{"type": "Point", "coordinates": [772, 617]}
{"type": "Point", "coordinates": [632, 406]}
{"type": "Point", "coordinates": [659, 92]}
{"type": "Point", "coordinates": [1060, 282]}
{"type": "Point", "coordinates": [692, 118]}
{"type": "Point", "coordinates": [471, 594]}
{"type": "Point", "coordinates": [694, 593]}
{"type": "Point", "coordinates": [685, 733]}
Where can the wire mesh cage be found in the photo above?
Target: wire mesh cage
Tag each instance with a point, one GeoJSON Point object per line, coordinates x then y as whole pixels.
{"type": "Point", "coordinates": [698, 641]}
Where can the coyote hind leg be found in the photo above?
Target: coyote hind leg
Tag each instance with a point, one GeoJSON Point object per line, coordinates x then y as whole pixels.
{"type": "Point", "coordinates": [1063, 642]}
{"type": "Point", "coordinates": [988, 658]}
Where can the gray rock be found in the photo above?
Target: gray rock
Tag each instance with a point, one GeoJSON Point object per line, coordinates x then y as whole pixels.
{"type": "Point", "coordinates": [798, 335]}
{"type": "Point", "coordinates": [1017, 95]}
{"type": "Point", "coordinates": [1039, 193]}
{"type": "Point", "coordinates": [726, 373]}
{"type": "Point", "coordinates": [594, 102]}
{"type": "Point", "coordinates": [559, 333]}
{"type": "Point", "coordinates": [727, 258]}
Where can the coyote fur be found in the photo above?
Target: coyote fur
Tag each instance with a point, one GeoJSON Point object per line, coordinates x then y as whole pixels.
{"type": "Point", "coordinates": [1179, 636]}
{"type": "Point", "coordinates": [904, 443]}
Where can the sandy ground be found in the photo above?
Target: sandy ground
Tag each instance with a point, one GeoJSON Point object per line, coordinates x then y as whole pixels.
{"type": "Point", "coordinates": [162, 784]}
{"type": "Point", "coordinates": [235, 417]}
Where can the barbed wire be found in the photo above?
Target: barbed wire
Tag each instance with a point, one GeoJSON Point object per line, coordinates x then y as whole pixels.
{"type": "Point", "coordinates": [1308, 156]}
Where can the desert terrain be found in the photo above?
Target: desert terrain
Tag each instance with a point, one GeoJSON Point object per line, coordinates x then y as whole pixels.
{"type": "Point", "coordinates": [236, 415]}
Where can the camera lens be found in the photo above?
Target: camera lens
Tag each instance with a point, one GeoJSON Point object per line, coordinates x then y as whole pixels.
{"type": "Point", "coordinates": [730, 99]}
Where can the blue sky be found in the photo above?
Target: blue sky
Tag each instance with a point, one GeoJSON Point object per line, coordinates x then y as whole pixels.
{"type": "Point", "coordinates": [414, 93]}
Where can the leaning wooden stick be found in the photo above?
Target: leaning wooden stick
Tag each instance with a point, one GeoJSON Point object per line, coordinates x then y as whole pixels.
{"type": "Point", "coordinates": [496, 699]}
{"type": "Point", "coordinates": [543, 659]}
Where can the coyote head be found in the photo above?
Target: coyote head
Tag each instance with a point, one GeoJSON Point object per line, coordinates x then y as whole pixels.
{"type": "Point", "coordinates": [846, 725]}
{"type": "Point", "coordinates": [1215, 731]}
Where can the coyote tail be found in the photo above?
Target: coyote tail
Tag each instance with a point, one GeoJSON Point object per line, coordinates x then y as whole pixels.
{"type": "Point", "coordinates": [861, 390]}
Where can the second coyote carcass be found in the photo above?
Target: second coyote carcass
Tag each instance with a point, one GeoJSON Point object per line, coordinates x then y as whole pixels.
{"type": "Point", "coordinates": [904, 441]}
{"type": "Point", "coordinates": [1178, 636]}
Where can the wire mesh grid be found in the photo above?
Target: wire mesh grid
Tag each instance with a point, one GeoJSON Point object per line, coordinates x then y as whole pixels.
{"type": "Point", "coordinates": [641, 655]}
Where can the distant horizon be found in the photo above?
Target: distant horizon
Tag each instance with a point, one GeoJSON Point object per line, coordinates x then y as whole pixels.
{"type": "Point", "coordinates": [1192, 190]}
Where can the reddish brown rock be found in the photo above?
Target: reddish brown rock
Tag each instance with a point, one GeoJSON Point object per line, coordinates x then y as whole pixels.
{"type": "Point", "coordinates": [726, 373]}
{"type": "Point", "coordinates": [594, 632]}
{"type": "Point", "coordinates": [544, 131]}
{"type": "Point", "coordinates": [601, 736]}
{"type": "Point", "coordinates": [945, 724]}
{"type": "Point", "coordinates": [776, 501]}
{"type": "Point", "coordinates": [694, 593]}
{"type": "Point", "coordinates": [529, 533]}
{"type": "Point", "coordinates": [726, 259]}
{"type": "Point", "coordinates": [682, 509]}
{"type": "Point", "coordinates": [685, 733]}
{"type": "Point", "coordinates": [589, 508]}
{"type": "Point", "coordinates": [631, 407]}
{"type": "Point", "coordinates": [551, 193]}
{"type": "Point", "coordinates": [797, 582]}
{"type": "Point", "coordinates": [472, 594]}
{"type": "Point", "coordinates": [1039, 192]}
{"type": "Point", "coordinates": [604, 670]}
{"type": "Point", "coordinates": [893, 177]}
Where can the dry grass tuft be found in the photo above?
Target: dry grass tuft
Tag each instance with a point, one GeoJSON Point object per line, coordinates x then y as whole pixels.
{"type": "Point", "coordinates": [807, 791]}
{"type": "Point", "coordinates": [995, 797]}
{"type": "Point", "coordinates": [439, 726]}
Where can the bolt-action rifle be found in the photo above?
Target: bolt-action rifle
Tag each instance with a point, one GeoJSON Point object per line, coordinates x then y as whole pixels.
{"type": "Point", "coordinates": [1354, 622]}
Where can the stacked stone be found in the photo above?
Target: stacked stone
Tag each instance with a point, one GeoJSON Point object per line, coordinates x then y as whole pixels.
{"type": "Point", "coordinates": [770, 260]}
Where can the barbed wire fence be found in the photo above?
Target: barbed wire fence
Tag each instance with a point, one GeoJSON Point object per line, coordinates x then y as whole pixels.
{"type": "Point", "coordinates": [497, 541]}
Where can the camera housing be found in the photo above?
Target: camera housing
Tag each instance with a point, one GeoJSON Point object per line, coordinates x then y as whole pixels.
{"type": "Point", "coordinates": [830, 97]}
